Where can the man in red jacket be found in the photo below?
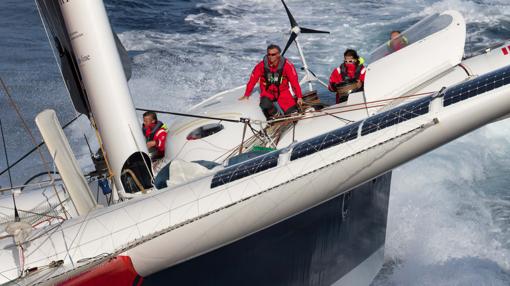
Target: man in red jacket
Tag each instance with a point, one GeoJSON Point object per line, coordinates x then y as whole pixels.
{"type": "Point", "coordinates": [155, 133]}
{"type": "Point", "coordinates": [349, 72]}
{"type": "Point", "coordinates": [274, 74]}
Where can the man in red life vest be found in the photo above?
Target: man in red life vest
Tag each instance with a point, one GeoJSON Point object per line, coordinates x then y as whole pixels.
{"type": "Point", "coordinates": [351, 71]}
{"type": "Point", "coordinates": [155, 133]}
{"type": "Point", "coordinates": [274, 74]}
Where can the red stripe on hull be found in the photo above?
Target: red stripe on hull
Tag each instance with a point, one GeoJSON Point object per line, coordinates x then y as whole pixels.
{"type": "Point", "coordinates": [116, 271]}
{"type": "Point", "coordinates": [505, 51]}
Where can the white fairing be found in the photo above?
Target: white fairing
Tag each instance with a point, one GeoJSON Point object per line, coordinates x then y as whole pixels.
{"type": "Point", "coordinates": [63, 156]}
{"type": "Point", "coordinates": [487, 61]}
{"type": "Point", "coordinates": [436, 44]}
{"type": "Point", "coordinates": [104, 80]}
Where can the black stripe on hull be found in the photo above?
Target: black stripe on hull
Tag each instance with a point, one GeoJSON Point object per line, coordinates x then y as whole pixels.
{"type": "Point", "coordinates": [317, 247]}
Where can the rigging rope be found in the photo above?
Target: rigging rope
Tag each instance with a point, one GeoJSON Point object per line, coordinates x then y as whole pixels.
{"type": "Point", "coordinates": [342, 109]}
{"type": "Point", "coordinates": [240, 120]}
{"type": "Point", "coordinates": [285, 120]}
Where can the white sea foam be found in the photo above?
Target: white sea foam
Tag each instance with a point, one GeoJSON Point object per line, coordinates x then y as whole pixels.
{"type": "Point", "coordinates": [443, 219]}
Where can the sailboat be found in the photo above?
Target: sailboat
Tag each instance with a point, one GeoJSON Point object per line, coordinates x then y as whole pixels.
{"type": "Point", "coordinates": [299, 200]}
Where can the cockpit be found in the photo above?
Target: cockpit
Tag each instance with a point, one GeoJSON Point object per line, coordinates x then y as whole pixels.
{"type": "Point", "coordinates": [419, 31]}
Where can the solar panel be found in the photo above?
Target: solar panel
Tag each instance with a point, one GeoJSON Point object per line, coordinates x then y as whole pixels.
{"type": "Point", "coordinates": [479, 85]}
{"type": "Point", "coordinates": [325, 141]}
{"type": "Point", "coordinates": [245, 169]}
{"type": "Point", "coordinates": [396, 115]}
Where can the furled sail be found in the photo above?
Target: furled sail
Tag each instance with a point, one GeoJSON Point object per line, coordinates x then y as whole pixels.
{"type": "Point", "coordinates": [68, 62]}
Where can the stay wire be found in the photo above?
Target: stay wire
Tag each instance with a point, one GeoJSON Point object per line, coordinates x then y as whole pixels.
{"type": "Point", "coordinates": [240, 120]}
{"type": "Point", "coordinates": [36, 148]}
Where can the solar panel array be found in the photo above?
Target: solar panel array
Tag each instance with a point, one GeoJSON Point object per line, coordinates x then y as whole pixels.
{"type": "Point", "coordinates": [325, 141]}
{"type": "Point", "coordinates": [481, 84]}
{"type": "Point", "coordinates": [375, 123]}
{"type": "Point", "coordinates": [396, 115]}
{"type": "Point", "coordinates": [246, 169]}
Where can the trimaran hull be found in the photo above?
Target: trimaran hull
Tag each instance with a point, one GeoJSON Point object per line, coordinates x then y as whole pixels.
{"type": "Point", "coordinates": [310, 213]}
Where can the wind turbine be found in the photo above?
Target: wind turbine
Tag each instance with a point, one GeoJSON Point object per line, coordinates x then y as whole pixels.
{"type": "Point", "coordinates": [295, 31]}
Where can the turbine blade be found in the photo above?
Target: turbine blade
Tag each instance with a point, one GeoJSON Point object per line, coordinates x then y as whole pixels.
{"type": "Point", "coordinates": [312, 31]}
{"type": "Point", "coordinates": [293, 22]}
{"type": "Point", "coordinates": [291, 39]}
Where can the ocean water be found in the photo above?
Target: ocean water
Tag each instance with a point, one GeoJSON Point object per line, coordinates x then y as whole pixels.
{"type": "Point", "coordinates": [449, 218]}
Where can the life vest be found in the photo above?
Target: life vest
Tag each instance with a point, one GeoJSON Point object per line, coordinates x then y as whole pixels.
{"type": "Point", "coordinates": [397, 43]}
{"type": "Point", "coordinates": [273, 78]}
{"type": "Point", "coordinates": [342, 70]}
{"type": "Point", "coordinates": [158, 126]}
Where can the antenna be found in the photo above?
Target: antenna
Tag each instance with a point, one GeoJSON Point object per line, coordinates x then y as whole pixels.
{"type": "Point", "coordinates": [16, 214]}
{"type": "Point", "coordinates": [5, 152]}
{"type": "Point", "coordinates": [16, 228]}
{"type": "Point", "coordinates": [295, 31]}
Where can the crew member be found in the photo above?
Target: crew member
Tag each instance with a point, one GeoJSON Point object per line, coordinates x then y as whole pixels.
{"type": "Point", "coordinates": [155, 133]}
{"type": "Point", "coordinates": [397, 41]}
{"type": "Point", "coordinates": [274, 74]}
{"type": "Point", "coordinates": [350, 72]}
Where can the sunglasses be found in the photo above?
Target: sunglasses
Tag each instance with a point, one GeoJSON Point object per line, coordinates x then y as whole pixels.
{"type": "Point", "coordinates": [273, 54]}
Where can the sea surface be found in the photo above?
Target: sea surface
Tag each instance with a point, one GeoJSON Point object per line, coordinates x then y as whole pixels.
{"type": "Point", "coordinates": [449, 218]}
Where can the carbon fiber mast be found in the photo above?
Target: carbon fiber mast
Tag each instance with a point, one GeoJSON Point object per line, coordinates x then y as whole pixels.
{"type": "Point", "coordinates": [295, 30]}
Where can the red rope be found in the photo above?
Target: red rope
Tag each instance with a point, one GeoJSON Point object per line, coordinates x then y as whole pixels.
{"type": "Point", "coordinates": [347, 108]}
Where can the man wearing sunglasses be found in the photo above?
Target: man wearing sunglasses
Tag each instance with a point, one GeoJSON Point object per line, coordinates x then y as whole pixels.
{"type": "Point", "coordinates": [274, 75]}
{"type": "Point", "coordinates": [349, 76]}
